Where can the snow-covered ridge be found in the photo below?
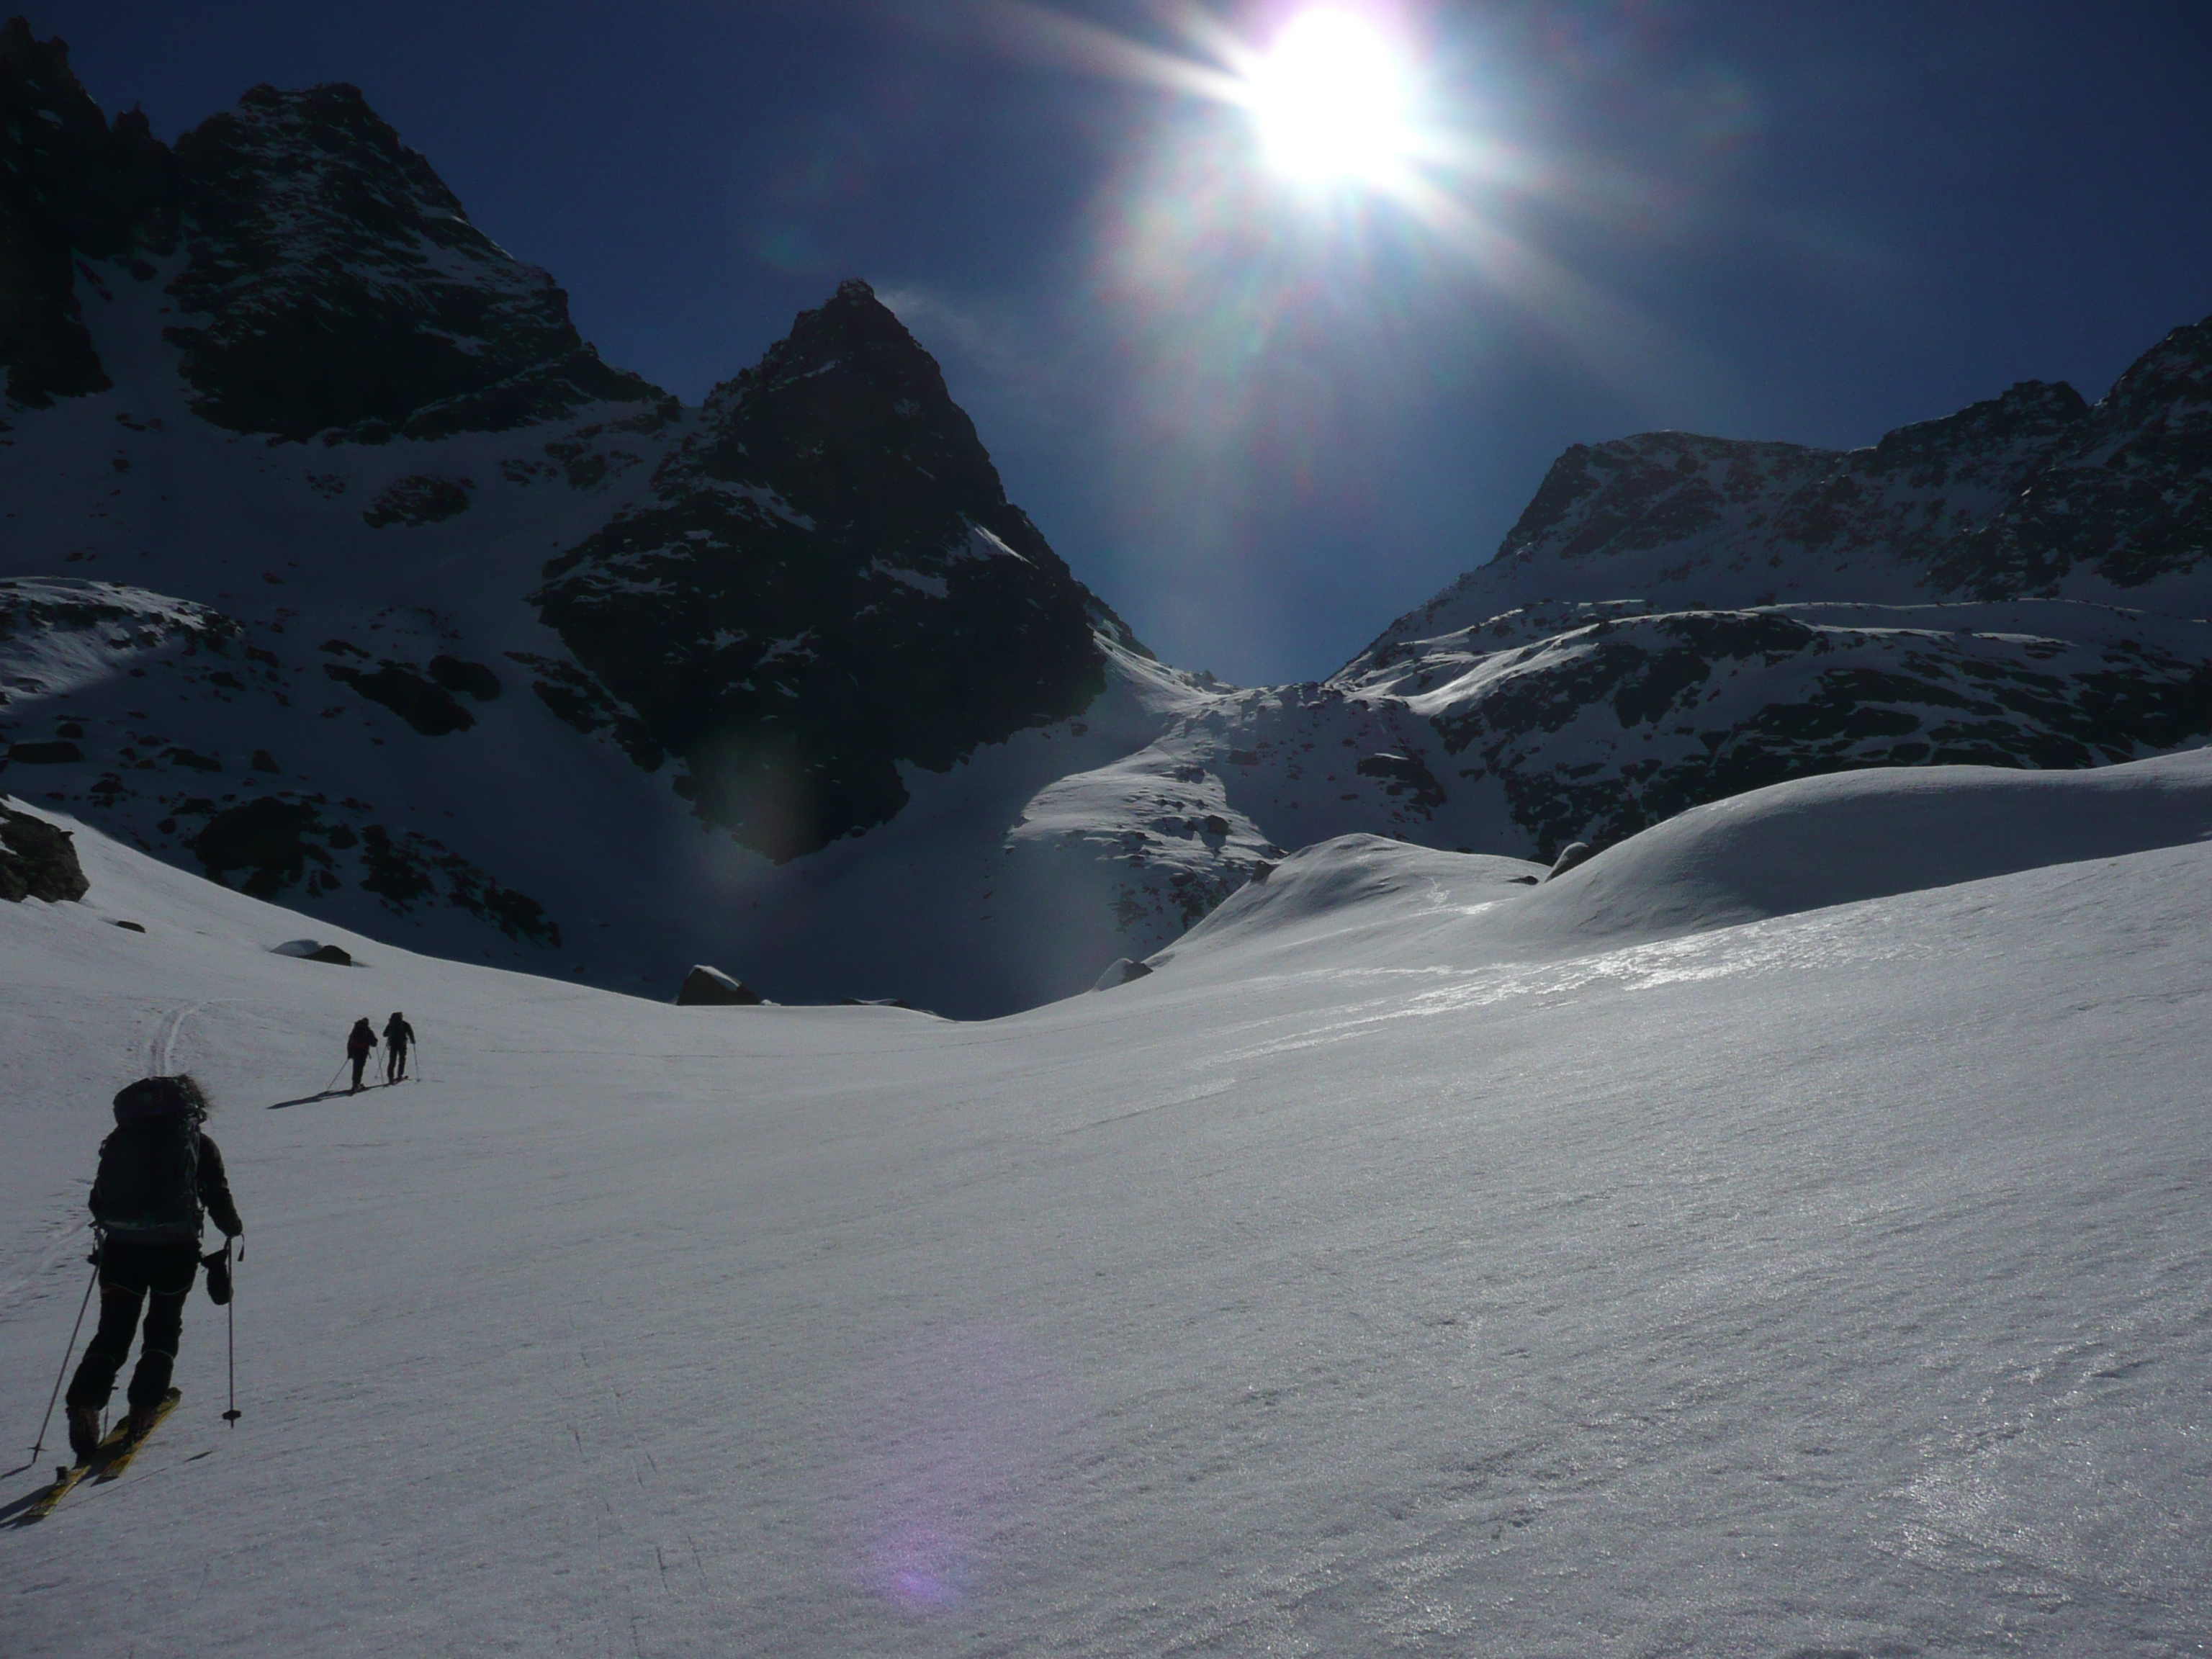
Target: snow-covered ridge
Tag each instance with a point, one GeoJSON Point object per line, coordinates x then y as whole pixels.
{"type": "Point", "coordinates": [2033, 494]}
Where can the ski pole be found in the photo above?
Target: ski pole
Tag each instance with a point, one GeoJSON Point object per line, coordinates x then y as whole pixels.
{"type": "Point", "coordinates": [66, 1353]}
{"type": "Point", "coordinates": [333, 1083]}
{"type": "Point", "coordinates": [231, 1416]}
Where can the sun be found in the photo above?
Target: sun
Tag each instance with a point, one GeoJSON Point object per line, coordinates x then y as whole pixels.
{"type": "Point", "coordinates": [1332, 100]}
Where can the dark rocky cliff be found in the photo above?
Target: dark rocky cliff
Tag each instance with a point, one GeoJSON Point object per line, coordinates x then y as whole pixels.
{"type": "Point", "coordinates": [70, 184]}
{"type": "Point", "coordinates": [829, 581]}
{"type": "Point", "coordinates": [346, 292]}
{"type": "Point", "coordinates": [2129, 497]}
{"type": "Point", "coordinates": [332, 284]}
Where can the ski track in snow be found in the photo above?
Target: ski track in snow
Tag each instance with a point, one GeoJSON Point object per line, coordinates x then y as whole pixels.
{"type": "Point", "coordinates": [1836, 1282]}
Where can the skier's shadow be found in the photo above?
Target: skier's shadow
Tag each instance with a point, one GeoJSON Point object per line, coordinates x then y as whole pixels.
{"type": "Point", "coordinates": [309, 1100]}
{"type": "Point", "coordinates": [338, 1094]}
{"type": "Point", "coordinates": [14, 1515]}
{"type": "Point", "coordinates": [306, 1100]}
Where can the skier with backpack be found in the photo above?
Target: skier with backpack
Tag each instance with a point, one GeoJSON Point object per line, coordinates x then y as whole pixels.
{"type": "Point", "coordinates": [361, 1043]}
{"type": "Point", "coordinates": [398, 1037]}
{"type": "Point", "coordinates": [159, 1176]}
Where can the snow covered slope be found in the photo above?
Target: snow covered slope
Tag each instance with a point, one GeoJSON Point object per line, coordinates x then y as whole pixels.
{"type": "Point", "coordinates": [1806, 845]}
{"type": "Point", "coordinates": [1374, 1277]}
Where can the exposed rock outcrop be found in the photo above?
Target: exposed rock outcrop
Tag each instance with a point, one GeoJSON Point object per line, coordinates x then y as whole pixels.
{"type": "Point", "coordinates": [307, 949]}
{"type": "Point", "coordinates": [1574, 852]}
{"type": "Point", "coordinates": [710, 988]}
{"type": "Point", "coordinates": [38, 860]}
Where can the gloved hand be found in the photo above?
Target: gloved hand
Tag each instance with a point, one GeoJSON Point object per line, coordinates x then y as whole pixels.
{"type": "Point", "coordinates": [217, 1263]}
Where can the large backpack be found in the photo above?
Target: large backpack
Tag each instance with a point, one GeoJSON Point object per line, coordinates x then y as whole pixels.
{"type": "Point", "coordinates": [148, 1190]}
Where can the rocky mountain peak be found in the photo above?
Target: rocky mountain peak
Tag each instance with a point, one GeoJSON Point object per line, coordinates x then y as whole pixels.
{"type": "Point", "coordinates": [830, 581]}
{"type": "Point", "coordinates": [346, 292]}
{"type": "Point", "coordinates": [333, 283]}
{"type": "Point", "coordinates": [2007, 434]}
{"type": "Point", "coordinates": [849, 419]}
{"type": "Point", "coordinates": [2127, 498]}
{"type": "Point", "coordinates": [851, 320]}
{"type": "Point", "coordinates": [2168, 387]}
{"type": "Point", "coordinates": [328, 155]}
{"type": "Point", "coordinates": [2008, 498]}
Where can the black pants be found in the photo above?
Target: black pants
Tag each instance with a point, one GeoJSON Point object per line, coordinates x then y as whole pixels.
{"type": "Point", "coordinates": [128, 1275]}
{"type": "Point", "coordinates": [395, 1062]}
{"type": "Point", "coordinates": [359, 1060]}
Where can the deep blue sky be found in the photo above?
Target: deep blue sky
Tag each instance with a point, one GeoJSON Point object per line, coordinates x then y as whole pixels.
{"type": "Point", "coordinates": [1262, 434]}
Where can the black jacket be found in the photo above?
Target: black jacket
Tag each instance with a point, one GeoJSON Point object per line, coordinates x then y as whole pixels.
{"type": "Point", "coordinates": [214, 1188]}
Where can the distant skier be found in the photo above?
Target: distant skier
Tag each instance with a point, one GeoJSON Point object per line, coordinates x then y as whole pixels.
{"type": "Point", "coordinates": [361, 1043]}
{"type": "Point", "coordinates": [159, 1176]}
{"type": "Point", "coordinates": [398, 1037]}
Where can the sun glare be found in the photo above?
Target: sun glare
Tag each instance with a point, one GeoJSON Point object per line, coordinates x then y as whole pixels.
{"type": "Point", "coordinates": [1332, 100]}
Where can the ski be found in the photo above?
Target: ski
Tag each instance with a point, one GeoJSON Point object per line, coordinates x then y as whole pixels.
{"type": "Point", "coordinates": [119, 1460]}
{"type": "Point", "coordinates": [65, 1479]}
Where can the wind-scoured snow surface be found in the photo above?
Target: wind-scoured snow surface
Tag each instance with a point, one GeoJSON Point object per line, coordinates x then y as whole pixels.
{"type": "Point", "coordinates": [1421, 1258]}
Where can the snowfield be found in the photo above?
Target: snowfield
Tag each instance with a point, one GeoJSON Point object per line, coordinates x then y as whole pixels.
{"type": "Point", "coordinates": [1788, 1234]}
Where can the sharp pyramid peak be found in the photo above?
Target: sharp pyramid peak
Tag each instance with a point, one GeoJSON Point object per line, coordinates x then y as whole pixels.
{"type": "Point", "coordinates": [853, 333]}
{"type": "Point", "coordinates": [851, 313]}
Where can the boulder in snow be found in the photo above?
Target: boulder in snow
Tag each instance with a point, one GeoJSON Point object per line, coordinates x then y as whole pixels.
{"type": "Point", "coordinates": [706, 986]}
{"type": "Point", "coordinates": [1574, 852]}
{"type": "Point", "coordinates": [37, 861]}
{"type": "Point", "coordinates": [307, 949]}
{"type": "Point", "coordinates": [1120, 971]}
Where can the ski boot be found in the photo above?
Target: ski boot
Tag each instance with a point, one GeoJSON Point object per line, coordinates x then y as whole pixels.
{"type": "Point", "coordinates": [83, 1432]}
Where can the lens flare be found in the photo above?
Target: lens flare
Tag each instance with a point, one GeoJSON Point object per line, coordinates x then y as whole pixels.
{"type": "Point", "coordinates": [1339, 209]}
{"type": "Point", "coordinates": [945, 1447]}
{"type": "Point", "coordinates": [1333, 101]}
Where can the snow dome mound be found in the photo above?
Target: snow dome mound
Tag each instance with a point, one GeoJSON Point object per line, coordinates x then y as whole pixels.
{"type": "Point", "coordinates": [1390, 895]}
{"type": "Point", "coordinates": [1819, 841]}
{"type": "Point", "coordinates": [1800, 845]}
